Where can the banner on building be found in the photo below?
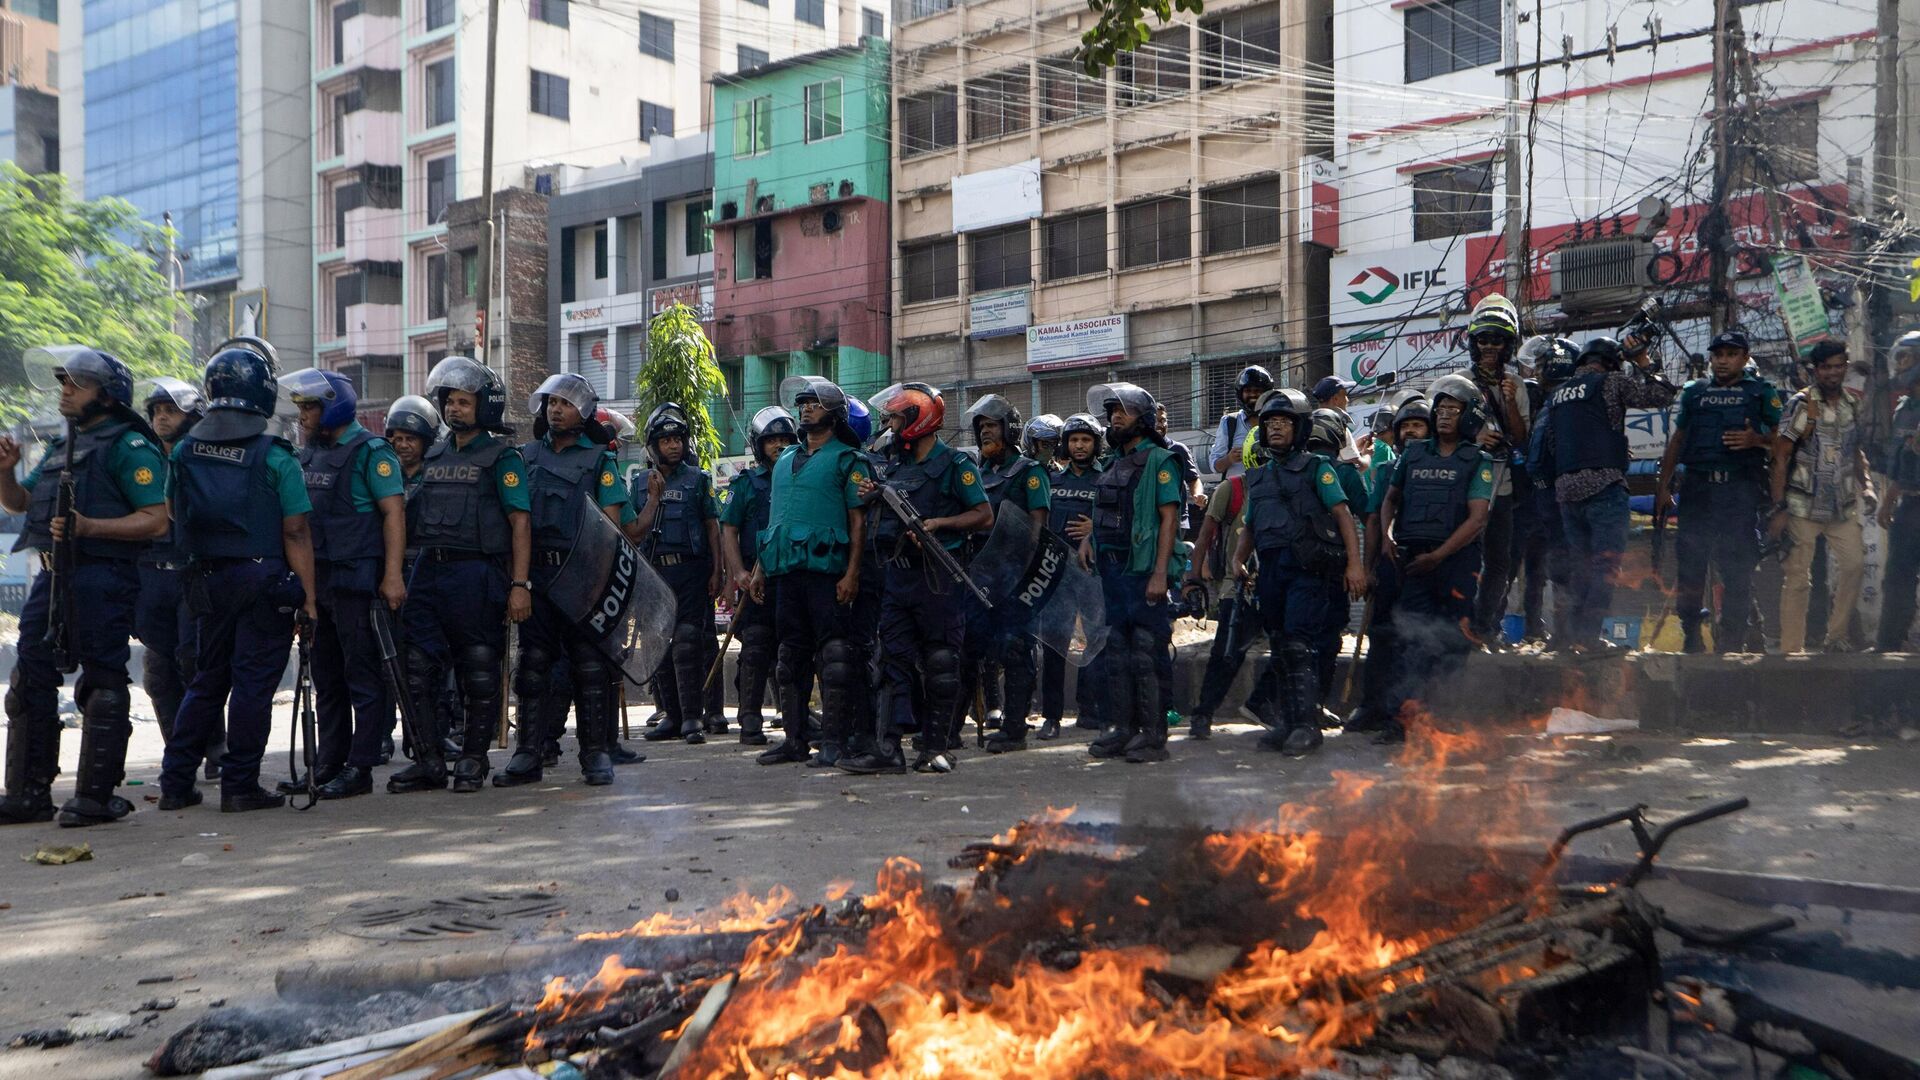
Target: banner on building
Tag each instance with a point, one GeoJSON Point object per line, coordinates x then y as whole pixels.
{"type": "Point", "coordinates": [993, 197]}
{"type": "Point", "coordinates": [694, 294]}
{"type": "Point", "coordinates": [1411, 350]}
{"type": "Point", "coordinates": [1425, 279]}
{"type": "Point", "coordinates": [997, 314]}
{"type": "Point", "coordinates": [1801, 304]}
{"type": "Point", "coordinates": [1080, 343]}
{"type": "Point", "coordinates": [1319, 207]}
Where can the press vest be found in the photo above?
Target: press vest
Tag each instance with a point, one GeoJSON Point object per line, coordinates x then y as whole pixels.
{"type": "Point", "coordinates": [1281, 501]}
{"type": "Point", "coordinates": [225, 505]}
{"type": "Point", "coordinates": [756, 486]}
{"type": "Point", "coordinates": [555, 482]}
{"type": "Point", "coordinates": [679, 523]}
{"type": "Point", "coordinates": [1073, 496]}
{"type": "Point", "coordinates": [96, 494]}
{"type": "Point", "coordinates": [807, 516]}
{"type": "Point", "coordinates": [1433, 497]}
{"type": "Point", "coordinates": [1113, 498]}
{"type": "Point", "coordinates": [1583, 433]}
{"type": "Point", "coordinates": [1714, 410]}
{"type": "Point", "coordinates": [925, 486]}
{"type": "Point", "coordinates": [457, 507]}
{"type": "Point", "coordinates": [341, 535]}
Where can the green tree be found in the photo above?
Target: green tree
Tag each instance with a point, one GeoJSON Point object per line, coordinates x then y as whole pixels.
{"type": "Point", "coordinates": [80, 271]}
{"type": "Point", "coordinates": [1123, 28]}
{"type": "Point", "coordinates": [680, 368]}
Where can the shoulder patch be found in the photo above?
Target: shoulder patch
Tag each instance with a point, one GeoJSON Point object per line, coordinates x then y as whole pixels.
{"type": "Point", "coordinates": [1486, 476]}
{"type": "Point", "coordinates": [511, 479]}
{"type": "Point", "coordinates": [606, 479]}
{"type": "Point", "coordinates": [385, 468]}
{"type": "Point", "coordinates": [967, 477]}
{"type": "Point", "coordinates": [1166, 477]}
{"type": "Point", "coordinates": [136, 440]}
{"type": "Point", "coordinates": [143, 476]}
{"type": "Point", "coordinates": [1033, 483]}
{"type": "Point", "coordinates": [857, 476]}
{"type": "Point", "coordinates": [1326, 478]}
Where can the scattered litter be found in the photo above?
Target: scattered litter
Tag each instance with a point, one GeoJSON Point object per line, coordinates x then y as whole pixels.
{"type": "Point", "coordinates": [150, 798]}
{"type": "Point", "coordinates": [134, 895]}
{"type": "Point", "coordinates": [966, 809]}
{"type": "Point", "coordinates": [850, 796]}
{"type": "Point", "coordinates": [155, 980]}
{"type": "Point", "coordinates": [673, 896]}
{"type": "Point", "coordinates": [205, 835]}
{"type": "Point", "coordinates": [273, 930]}
{"type": "Point", "coordinates": [157, 1005]}
{"type": "Point", "coordinates": [1908, 734]}
{"type": "Point", "coordinates": [44, 1038]}
{"type": "Point", "coordinates": [1574, 722]}
{"type": "Point", "coordinates": [198, 858]}
{"type": "Point", "coordinates": [100, 1025]}
{"type": "Point", "coordinates": [60, 854]}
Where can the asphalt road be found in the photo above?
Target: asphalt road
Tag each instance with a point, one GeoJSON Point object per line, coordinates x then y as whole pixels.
{"type": "Point", "coordinates": [220, 901]}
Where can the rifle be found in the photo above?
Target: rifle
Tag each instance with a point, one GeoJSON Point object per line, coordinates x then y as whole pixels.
{"type": "Point", "coordinates": [932, 548]}
{"type": "Point", "coordinates": [59, 636]}
{"type": "Point", "coordinates": [306, 726]}
{"type": "Point", "coordinates": [383, 638]}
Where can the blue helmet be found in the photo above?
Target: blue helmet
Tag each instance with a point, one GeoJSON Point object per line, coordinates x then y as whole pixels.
{"type": "Point", "coordinates": [859, 419]}
{"type": "Point", "coordinates": [330, 389]}
{"type": "Point", "coordinates": [416, 416]}
{"type": "Point", "coordinates": [241, 387]}
{"type": "Point", "coordinates": [50, 365]}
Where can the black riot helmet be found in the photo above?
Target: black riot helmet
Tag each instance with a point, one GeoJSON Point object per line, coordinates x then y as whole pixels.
{"type": "Point", "coordinates": [1473, 403]}
{"type": "Point", "coordinates": [576, 391]}
{"type": "Point", "coordinates": [999, 409]}
{"type": "Point", "coordinates": [1327, 432]}
{"type": "Point", "coordinates": [1133, 401]}
{"type": "Point", "coordinates": [414, 415]}
{"type": "Point", "coordinates": [470, 375]}
{"type": "Point", "coordinates": [1291, 403]}
{"type": "Point", "coordinates": [665, 420]}
{"type": "Point", "coordinates": [1604, 351]}
{"type": "Point", "coordinates": [242, 384]}
{"type": "Point", "coordinates": [770, 422]}
{"type": "Point", "coordinates": [1414, 408]}
{"type": "Point", "coordinates": [1255, 377]}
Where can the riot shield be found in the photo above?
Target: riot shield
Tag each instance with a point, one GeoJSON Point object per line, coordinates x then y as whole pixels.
{"type": "Point", "coordinates": [1030, 571]}
{"type": "Point", "coordinates": [607, 591]}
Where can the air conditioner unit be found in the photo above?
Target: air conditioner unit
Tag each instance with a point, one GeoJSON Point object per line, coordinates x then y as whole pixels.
{"type": "Point", "coordinates": [1596, 275]}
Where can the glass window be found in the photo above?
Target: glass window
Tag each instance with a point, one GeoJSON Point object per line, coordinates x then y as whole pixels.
{"type": "Point", "coordinates": [1077, 245]}
{"type": "Point", "coordinates": [439, 188]}
{"type": "Point", "coordinates": [932, 270]}
{"type": "Point", "coordinates": [346, 197]}
{"type": "Point", "coordinates": [549, 95]}
{"type": "Point", "coordinates": [928, 121]}
{"type": "Point", "coordinates": [813, 12]}
{"type": "Point", "coordinates": [1452, 201]}
{"type": "Point", "coordinates": [823, 110]}
{"type": "Point", "coordinates": [751, 58]}
{"type": "Point", "coordinates": [656, 36]}
{"type": "Point", "coordinates": [699, 227]}
{"type": "Point", "coordinates": [1000, 258]}
{"type": "Point", "coordinates": [752, 126]}
{"type": "Point", "coordinates": [439, 13]}
{"type": "Point", "coordinates": [1241, 215]}
{"type": "Point", "coordinates": [655, 120]}
{"type": "Point", "coordinates": [1066, 91]}
{"type": "Point", "coordinates": [872, 23]}
{"type": "Point", "coordinates": [753, 251]}
{"type": "Point", "coordinates": [600, 254]}
{"type": "Point", "coordinates": [997, 105]}
{"type": "Point", "coordinates": [437, 285]}
{"type": "Point", "coordinates": [1451, 35]}
{"type": "Point", "coordinates": [920, 9]}
{"type": "Point", "coordinates": [1154, 231]}
{"type": "Point", "coordinates": [551, 12]}
{"type": "Point", "coordinates": [439, 93]}
{"type": "Point", "coordinates": [341, 13]}
{"type": "Point", "coordinates": [1156, 70]}
{"type": "Point", "coordinates": [1240, 45]}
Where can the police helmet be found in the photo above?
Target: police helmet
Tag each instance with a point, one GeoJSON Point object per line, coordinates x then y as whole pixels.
{"type": "Point", "coordinates": [619, 425]}
{"type": "Point", "coordinates": [667, 419]}
{"type": "Point", "coordinates": [1327, 431]}
{"type": "Point", "coordinates": [860, 419]}
{"type": "Point", "coordinates": [770, 422]}
{"type": "Point", "coordinates": [1042, 436]}
{"type": "Point", "coordinates": [50, 365]}
{"type": "Point", "coordinates": [1604, 351]}
{"type": "Point", "coordinates": [332, 391]}
{"type": "Point", "coordinates": [471, 376]}
{"type": "Point", "coordinates": [1415, 408]}
{"type": "Point", "coordinates": [414, 415]}
{"type": "Point", "coordinates": [1473, 403]}
{"type": "Point", "coordinates": [576, 391]}
{"type": "Point", "coordinates": [1131, 399]}
{"type": "Point", "coordinates": [998, 409]}
{"type": "Point", "coordinates": [920, 404]}
{"type": "Point", "coordinates": [1905, 353]}
{"type": "Point", "coordinates": [795, 390]}
{"type": "Point", "coordinates": [241, 388]}
{"type": "Point", "coordinates": [179, 393]}
{"type": "Point", "coordinates": [1291, 403]}
{"type": "Point", "coordinates": [1255, 376]}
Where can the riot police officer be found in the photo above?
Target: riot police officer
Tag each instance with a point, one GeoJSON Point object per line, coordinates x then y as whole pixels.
{"type": "Point", "coordinates": [1070, 514]}
{"type": "Point", "coordinates": [810, 558]}
{"type": "Point", "coordinates": [1041, 442]}
{"type": "Point", "coordinates": [1136, 520]}
{"type": "Point", "coordinates": [1409, 422]}
{"type": "Point", "coordinates": [1015, 483]}
{"type": "Point", "coordinates": [567, 464]}
{"type": "Point", "coordinates": [359, 529]}
{"type": "Point", "coordinates": [922, 622]}
{"type": "Point", "coordinates": [678, 528]}
{"type": "Point", "coordinates": [413, 424]}
{"type": "Point", "coordinates": [1301, 602]}
{"type": "Point", "coordinates": [160, 617]}
{"type": "Point", "coordinates": [119, 506]}
{"type": "Point", "coordinates": [1900, 510]}
{"type": "Point", "coordinates": [471, 521]}
{"type": "Point", "coordinates": [240, 502]}
{"type": "Point", "coordinates": [1433, 516]}
{"type": "Point", "coordinates": [743, 520]}
{"type": "Point", "coordinates": [1723, 435]}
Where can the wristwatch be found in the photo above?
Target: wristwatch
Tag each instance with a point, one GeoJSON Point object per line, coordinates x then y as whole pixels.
{"type": "Point", "coordinates": [527, 585]}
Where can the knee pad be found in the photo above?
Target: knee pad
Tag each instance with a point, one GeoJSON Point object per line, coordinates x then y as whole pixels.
{"type": "Point", "coordinates": [108, 708]}
{"type": "Point", "coordinates": [789, 663]}
{"type": "Point", "coordinates": [943, 671]}
{"type": "Point", "coordinates": [591, 670]}
{"type": "Point", "coordinates": [534, 677]}
{"type": "Point", "coordinates": [757, 643]}
{"type": "Point", "coordinates": [686, 635]}
{"type": "Point", "coordinates": [839, 663]}
{"type": "Point", "coordinates": [1145, 645]}
{"type": "Point", "coordinates": [479, 669]}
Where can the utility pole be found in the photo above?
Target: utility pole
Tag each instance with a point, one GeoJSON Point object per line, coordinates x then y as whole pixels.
{"type": "Point", "coordinates": [1719, 285]}
{"type": "Point", "coordinates": [485, 277]}
{"type": "Point", "coordinates": [1519, 280]}
{"type": "Point", "coordinates": [1886, 107]}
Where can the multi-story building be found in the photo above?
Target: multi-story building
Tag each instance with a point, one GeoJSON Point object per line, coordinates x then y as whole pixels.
{"type": "Point", "coordinates": [1053, 229]}
{"type": "Point", "coordinates": [197, 109]}
{"type": "Point", "coordinates": [1620, 160]}
{"type": "Point", "coordinates": [801, 225]}
{"type": "Point", "coordinates": [399, 105]}
{"type": "Point", "coordinates": [626, 242]}
{"type": "Point", "coordinates": [29, 83]}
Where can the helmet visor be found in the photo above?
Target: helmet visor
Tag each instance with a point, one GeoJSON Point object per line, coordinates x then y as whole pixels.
{"type": "Point", "coordinates": [766, 418]}
{"type": "Point", "coordinates": [47, 364]}
{"type": "Point", "coordinates": [179, 393]}
{"type": "Point", "coordinates": [568, 387]}
{"type": "Point", "coordinates": [458, 373]}
{"type": "Point", "coordinates": [308, 386]}
{"type": "Point", "coordinates": [1131, 399]}
{"type": "Point", "coordinates": [796, 387]}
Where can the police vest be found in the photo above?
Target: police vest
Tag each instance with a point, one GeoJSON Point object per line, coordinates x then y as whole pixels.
{"type": "Point", "coordinates": [679, 527]}
{"type": "Point", "coordinates": [1433, 497]}
{"type": "Point", "coordinates": [1281, 501]}
{"type": "Point", "coordinates": [1000, 481]}
{"type": "Point", "coordinates": [756, 487]}
{"type": "Point", "coordinates": [1903, 460]}
{"type": "Point", "coordinates": [341, 534]}
{"type": "Point", "coordinates": [807, 515]}
{"type": "Point", "coordinates": [1073, 495]}
{"type": "Point", "coordinates": [925, 486]}
{"type": "Point", "coordinates": [1713, 411]}
{"type": "Point", "coordinates": [225, 504]}
{"type": "Point", "coordinates": [96, 493]}
{"type": "Point", "coordinates": [1113, 498]}
{"type": "Point", "coordinates": [1583, 433]}
{"type": "Point", "coordinates": [555, 482]}
{"type": "Point", "coordinates": [457, 507]}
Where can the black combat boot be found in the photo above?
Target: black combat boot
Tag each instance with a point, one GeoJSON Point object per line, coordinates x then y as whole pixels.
{"type": "Point", "coordinates": [246, 801]}
{"type": "Point", "coordinates": [1200, 727]}
{"type": "Point", "coordinates": [32, 753]}
{"type": "Point", "coordinates": [529, 742]}
{"type": "Point", "coordinates": [1300, 682]}
{"type": "Point", "coordinates": [1049, 729]}
{"type": "Point", "coordinates": [593, 707]}
{"type": "Point", "coordinates": [350, 781]}
{"type": "Point", "coordinates": [105, 728]}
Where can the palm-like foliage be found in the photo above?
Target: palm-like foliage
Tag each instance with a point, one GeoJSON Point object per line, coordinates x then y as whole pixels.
{"type": "Point", "coordinates": [680, 368]}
